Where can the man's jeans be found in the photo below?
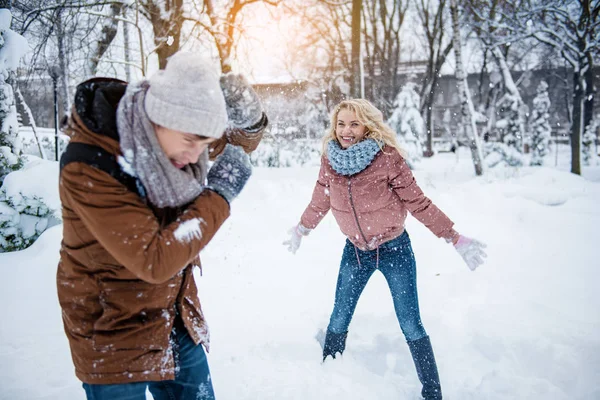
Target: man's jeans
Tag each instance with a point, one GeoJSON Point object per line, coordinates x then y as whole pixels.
{"type": "Point", "coordinates": [192, 377]}
{"type": "Point", "coordinates": [395, 259]}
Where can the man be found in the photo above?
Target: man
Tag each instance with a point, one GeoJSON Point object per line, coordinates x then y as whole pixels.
{"type": "Point", "coordinates": [133, 230]}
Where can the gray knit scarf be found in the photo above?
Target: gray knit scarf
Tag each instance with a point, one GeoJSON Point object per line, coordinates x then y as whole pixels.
{"type": "Point", "coordinates": [164, 184]}
{"type": "Point", "coordinates": [354, 159]}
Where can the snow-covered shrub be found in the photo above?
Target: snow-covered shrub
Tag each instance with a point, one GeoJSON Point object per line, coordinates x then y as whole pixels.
{"type": "Point", "coordinates": [407, 121]}
{"type": "Point", "coordinates": [9, 161]}
{"type": "Point", "coordinates": [497, 153]}
{"type": "Point", "coordinates": [47, 142]}
{"type": "Point", "coordinates": [29, 204]}
{"type": "Point", "coordinates": [509, 151]}
{"type": "Point", "coordinates": [540, 125]}
{"type": "Point", "coordinates": [288, 153]}
{"type": "Point", "coordinates": [511, 123]}
{"type": "Point", "coordinates": [21, 221]}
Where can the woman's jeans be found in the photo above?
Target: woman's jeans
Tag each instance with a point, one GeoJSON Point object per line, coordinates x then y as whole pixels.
{"type": "Point", "coordinates": [395, 259]}
{"type": "Point", "coordinates": [192, 377]}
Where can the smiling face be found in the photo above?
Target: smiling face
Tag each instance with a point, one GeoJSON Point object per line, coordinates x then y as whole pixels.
{"type": "Point", "coordinates": [180, 147]}
{"type": "Point", "coordinates": [348, 129]}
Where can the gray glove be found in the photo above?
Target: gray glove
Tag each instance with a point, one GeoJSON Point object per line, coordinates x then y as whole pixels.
{"type": "Point", "coordinates": [230, 172]}
{"type": "Point", "coordinates": [244, 109]}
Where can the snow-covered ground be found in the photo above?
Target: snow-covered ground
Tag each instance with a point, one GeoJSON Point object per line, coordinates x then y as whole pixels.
{"type": "Point", "coordinates": [523, 326]}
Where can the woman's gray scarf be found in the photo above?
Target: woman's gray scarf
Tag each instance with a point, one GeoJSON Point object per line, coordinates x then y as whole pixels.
{"type": "Point", "coordinates": [354, 159]}
{"type": "Point", "coordinates": [164, 184]}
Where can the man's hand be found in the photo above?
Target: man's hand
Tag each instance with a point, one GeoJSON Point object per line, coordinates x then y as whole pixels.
{"type": "Point", "coordinates": [244, 109]}
{"type": "Point", "coordinates": [230, 172]}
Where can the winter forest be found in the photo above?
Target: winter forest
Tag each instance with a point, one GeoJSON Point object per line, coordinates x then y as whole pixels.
{"type": "Point", "coordinates": [493, 103]}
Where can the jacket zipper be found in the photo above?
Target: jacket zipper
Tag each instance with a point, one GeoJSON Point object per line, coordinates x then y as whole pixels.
{"type": "Point", "coordinates": [354, 212]}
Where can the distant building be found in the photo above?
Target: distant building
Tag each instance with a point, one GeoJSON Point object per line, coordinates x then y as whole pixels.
{"type": "Point", "coordinates": [292, 105]}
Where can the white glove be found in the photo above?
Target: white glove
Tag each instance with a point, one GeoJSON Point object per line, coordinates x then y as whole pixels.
{"type": "Point", "coordinates": [296, 234]}
{"type": "Point", "coordinates": [471, 251]}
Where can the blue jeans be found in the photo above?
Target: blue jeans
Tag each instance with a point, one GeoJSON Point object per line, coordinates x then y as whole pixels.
{"type": "Point", "coordinates": [395, 259]}
{"type": "Point", "coordinates": [192, 377]}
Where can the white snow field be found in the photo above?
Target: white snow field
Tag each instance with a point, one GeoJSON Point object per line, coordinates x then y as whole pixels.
{"type": "Point", "coordinates": [523, 326]}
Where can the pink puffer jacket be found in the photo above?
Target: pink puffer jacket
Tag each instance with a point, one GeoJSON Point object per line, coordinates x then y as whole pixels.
{"type": "Point", "coordinates": [371, 206]}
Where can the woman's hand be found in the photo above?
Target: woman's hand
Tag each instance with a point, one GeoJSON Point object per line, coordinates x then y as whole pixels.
{"type": "Point", "coordinates": [296, 234]}
{"type": "Point", "coordinates": [471, 251]}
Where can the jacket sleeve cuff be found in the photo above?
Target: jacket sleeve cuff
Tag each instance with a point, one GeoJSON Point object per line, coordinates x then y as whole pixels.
{"type": "Point", "coordinates": [302, 230]}
{"type": "Point", "coordinates": [451, 236]}
{"type": "Point", "coordinates": [259, 126]}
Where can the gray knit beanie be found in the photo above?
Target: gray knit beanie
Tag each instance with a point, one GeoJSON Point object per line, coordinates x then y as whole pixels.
{"type": "Point", "coordinates": [186, 96]}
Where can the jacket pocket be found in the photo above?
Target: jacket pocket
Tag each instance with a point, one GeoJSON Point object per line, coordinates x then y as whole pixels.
{"type": "Point", "coordinates": [133, 316]}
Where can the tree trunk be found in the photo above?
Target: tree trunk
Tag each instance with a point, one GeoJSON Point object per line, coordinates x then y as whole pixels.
{"type": "Point", "coordinates": [511, 87]}
{"type": "Point", "coordinates": [577, 126]}
{"type": "Point", "coordinates": [167, 32]}
{"type": "Point", "coordinates": [62, 64]}
{"type": "Point", "coordinates": [428, 104]}
{"type": "Point", "coordinates": [126, 48]}
{"type": "Point", "coordinates": [356, 86]}
{"type": "Point", "coordinates": [467, 110]}
{"type": "Point", "coordinates": [107, 35]}
{"type": "Point", "coordinates": [590, 91]}
{"type": "Point", "coordinates": [434, 24]}
{"type": "Point", "coordinates": [28, 120]}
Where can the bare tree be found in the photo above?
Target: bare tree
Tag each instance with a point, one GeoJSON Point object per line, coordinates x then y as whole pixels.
{"type": "Point", "coordinates": [572, 27]}
{"type": "Point", "coordinates": [166, 17]}
{"type": "Point", "coordinates": [72, 35]}
{"type": "Point", "coordinates": [320, 53]}
{"type": "Point", "coordinates": [224, 28]}
{"type": "Point", "coordinates": [467, 110]}
{"type": "Point", "coordinates": [108, 33]}
{"type": "Point", "coordinates": [434, 18]}
{"type": "Point", "coordinates": [382, 24]}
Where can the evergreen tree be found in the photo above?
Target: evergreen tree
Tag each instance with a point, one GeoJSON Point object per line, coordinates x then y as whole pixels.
{"type": "Point", "coordinates": [407, 121]}
{"type": "Point", "coordinates": [540, 125]}
{"type": "Point", "coordinates": [22, 218]}
{"type": "Point", "coordinates": [12, 48]}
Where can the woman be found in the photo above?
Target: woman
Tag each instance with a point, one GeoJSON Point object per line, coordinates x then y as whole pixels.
{"type": "Point", "coordinates": [365, 181]}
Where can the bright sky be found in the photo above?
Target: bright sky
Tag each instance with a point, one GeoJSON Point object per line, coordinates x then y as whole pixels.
{"type": "Point", "coordinates": [263, 45]}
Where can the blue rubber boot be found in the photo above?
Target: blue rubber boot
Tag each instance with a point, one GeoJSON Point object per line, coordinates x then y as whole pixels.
{"type": "Point", "coordinates": [422, 354]}
{"type": "Point", "coordinates": [334, 343]}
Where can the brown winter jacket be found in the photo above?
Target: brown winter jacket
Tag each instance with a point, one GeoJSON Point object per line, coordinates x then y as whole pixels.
{"type": "Point", "coordinates": [371, 206]}
{"type": "Point", "coordinates": [122, 274]}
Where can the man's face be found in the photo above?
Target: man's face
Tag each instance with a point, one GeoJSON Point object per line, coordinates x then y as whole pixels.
{"type": "Point", "coordinates": [181, 148]}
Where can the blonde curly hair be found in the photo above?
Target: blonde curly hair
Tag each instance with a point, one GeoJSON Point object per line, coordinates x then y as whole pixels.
{"type": "Point", "coordinates": [368, 115]}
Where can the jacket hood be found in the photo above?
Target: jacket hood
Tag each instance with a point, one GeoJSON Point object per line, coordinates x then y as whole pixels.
{"type": "Point", "coordinates": [96, 102]}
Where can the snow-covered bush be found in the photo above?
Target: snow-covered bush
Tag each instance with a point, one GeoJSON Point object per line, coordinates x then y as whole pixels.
{"type": "Point", "coordinates": [497, 153]}
{"type": "Point", "coordinates": [511, 123]}
{"type": "Point", "coordinates": [407, 121]}
{"type": "Point", "coordinates": [508, 151]}
{"type": "Point", "coordinates": [30, 145]}
{"type": "Point", "coordinates": [29, 204]}
{"type": "Point", "coordinates": [289, 153]}
{"type": "Point", "coordinates": [540, 125]}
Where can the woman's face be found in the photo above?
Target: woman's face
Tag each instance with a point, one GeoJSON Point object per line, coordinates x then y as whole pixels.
{"type": "Point", "coordinates": [348, 130]}
{"type": "Point", "coordinates": [182, 148]}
